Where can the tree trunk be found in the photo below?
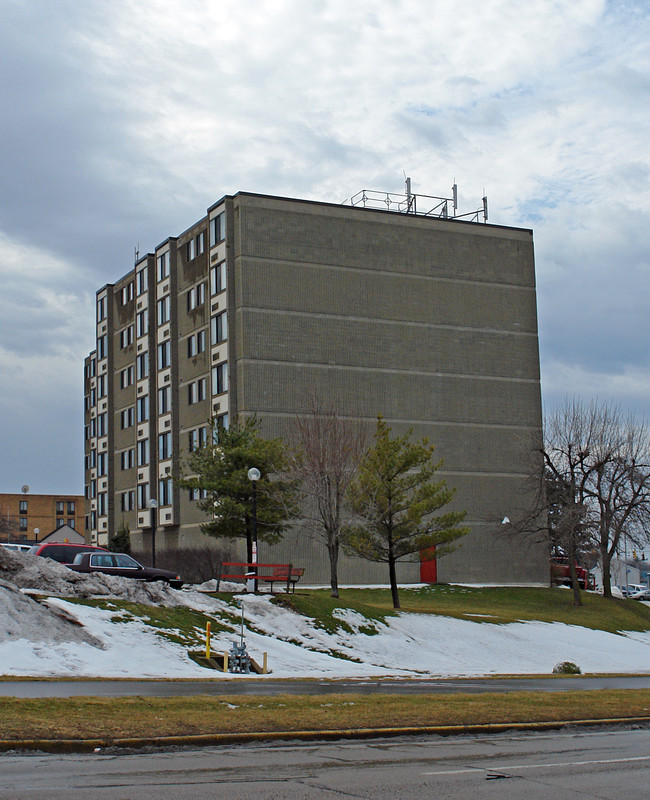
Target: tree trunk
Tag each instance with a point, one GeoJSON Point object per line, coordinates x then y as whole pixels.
{"type": "Point", "coordinates": [605, 560]}
{"type": "Point", "coordinates": [333, 550]}
{"type": "Point", "coordinates": [393, 580]}
{"type": "Point", "coordinates": [577, 600]}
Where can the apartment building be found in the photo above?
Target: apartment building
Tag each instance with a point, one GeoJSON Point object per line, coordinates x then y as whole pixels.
{"type": "Point", "coordinates": [31, 517]}
{"type": "Point", "coordinates": [427, 319]}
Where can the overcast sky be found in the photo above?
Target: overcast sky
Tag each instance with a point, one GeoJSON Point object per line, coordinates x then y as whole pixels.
{"type": "Point", "coordinates": [123, 120]}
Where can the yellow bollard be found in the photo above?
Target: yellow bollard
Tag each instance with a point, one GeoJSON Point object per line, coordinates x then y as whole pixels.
{"type": "Point", "coordinates": [207, 639]}
{"type": "Point", "coordinates": [265, 664]}
{"type": "Point", "coordinates": [225, 662]}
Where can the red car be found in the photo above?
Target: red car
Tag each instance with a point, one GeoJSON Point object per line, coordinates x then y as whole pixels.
{"type": "Point", "coordinates": [63, 552]}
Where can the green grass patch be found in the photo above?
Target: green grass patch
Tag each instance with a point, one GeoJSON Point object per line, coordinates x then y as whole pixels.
{"type": "Point", "coordinates": [482, 604]}
{"type": "Point", "coordinates": [148, 717]}
{"type": "Point", "coordinates": [320, 607]}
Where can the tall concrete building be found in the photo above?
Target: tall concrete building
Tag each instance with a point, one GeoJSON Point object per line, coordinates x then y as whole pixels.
{"type": "Point", "coordinates": [427, 319]}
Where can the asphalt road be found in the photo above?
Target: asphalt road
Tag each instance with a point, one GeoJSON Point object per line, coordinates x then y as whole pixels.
{"type": "Point", "coordinates": [608, 765]}
{"type": "Point", "coordinates": [269, 686]}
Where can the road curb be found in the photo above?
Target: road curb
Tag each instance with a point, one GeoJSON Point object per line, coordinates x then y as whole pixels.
{"type": "Point", "coordinates": [214, 739]}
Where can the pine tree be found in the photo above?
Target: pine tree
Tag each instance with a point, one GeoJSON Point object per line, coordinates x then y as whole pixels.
{"type": "Point", "coordinates": [394, 501]}
{"type": "Point", "coordinates": [220, 469]}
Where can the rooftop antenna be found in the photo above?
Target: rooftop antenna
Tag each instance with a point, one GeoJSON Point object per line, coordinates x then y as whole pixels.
{"type": "Point", "coordinates": [136, 250]}
{"type": "Point", "coordinates": [454, 194]}
{"type": "Point", "coordinates": [409, 194]}
{"type": "Point", "coordinates": [485, 206]}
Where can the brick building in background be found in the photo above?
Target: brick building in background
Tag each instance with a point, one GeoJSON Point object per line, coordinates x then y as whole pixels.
{"type": "Point", "coordinates": [427, 319]}
{"type": "Point", "coordinates": [31, 517]}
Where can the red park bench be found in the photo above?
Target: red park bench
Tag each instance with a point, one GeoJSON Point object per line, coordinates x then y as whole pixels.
{"type": "Point", "coordinates": [241, 572]}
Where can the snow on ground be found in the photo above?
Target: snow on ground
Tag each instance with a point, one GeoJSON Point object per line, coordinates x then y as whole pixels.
{"type": "Point", "coordinates": [60, 638]}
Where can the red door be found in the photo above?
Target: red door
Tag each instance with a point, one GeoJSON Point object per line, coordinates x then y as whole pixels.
{"type": "Point", "coordinates": [428, 565]}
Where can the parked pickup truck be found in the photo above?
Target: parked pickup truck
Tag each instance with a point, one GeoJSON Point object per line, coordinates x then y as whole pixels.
{"type": "Point", "coordinates": [124, 566]}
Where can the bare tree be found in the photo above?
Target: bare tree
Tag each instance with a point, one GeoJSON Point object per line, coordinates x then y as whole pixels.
{"type": "Point", "coordinates": [329, 450]}
{"type": "Point", "coordinates": [602, 455]}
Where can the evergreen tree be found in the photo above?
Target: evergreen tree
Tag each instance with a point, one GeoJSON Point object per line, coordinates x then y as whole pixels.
{"type": "Point", "coordinates": [220, 469]}
{"type": "Point", "coordinates": [395, 501]}
{"type": "Point", "coordinates": [120, 542]}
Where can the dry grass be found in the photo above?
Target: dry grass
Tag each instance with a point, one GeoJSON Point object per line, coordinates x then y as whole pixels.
{"type": "Point", "coordinates": [111, 718]}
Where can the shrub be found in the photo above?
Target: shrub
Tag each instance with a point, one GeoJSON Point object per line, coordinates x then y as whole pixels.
{"type": "Point", "coordinates": [120, 541]}
{"type": "Point", "coordinates": [567, 668]}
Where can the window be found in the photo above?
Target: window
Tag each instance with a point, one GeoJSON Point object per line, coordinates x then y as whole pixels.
{"type": "Point", "coordinates": [193, 440]}
{"type": "Point", "coordinates": [143, 495]}
{"type": "Point", "coordinates": [218, 229]}
{"type": "Point", "coordinates": [196, 344]}
{"type": "Point", "coordinates": [91, 459]}
{"type": "Point", "coordinates": [142, 365]}
{"type": "Point", "coordinates": [164, 354]}
{"type": "Point", "coordinates": [22, 507]}
{"type": "Point", "coordinates": [196, 296]}
{"type": "Point", "coordinates": [102, 504]}
{"type": "Point", "coordinates": [70, 507]}
{"type": "Point", "coordinates": [102, 462]}
{"type": "Point", "coordinates": [191, 249]}
{"type": "Point", "coordinates": [218, 278]}
{"type": "Point", "coordinates": [143, 408]}
{"type": "Point", "coordinates": [142, 323]}
{"type": "Point", "coordinates": [163, 266]}
{"type": "Point", "coordinates": [101, 386]}
{"type": "Point", "coordinates": [196, 391]}
{"type": "Point", "coordinates": [128, 417]}
{"type": "Point", "coordinates": [126, 377]}
{"type": "Point", "coordinates": [102, 424]}
{"type": "Point", "coordinates": [220, 378]}
{"type": "Point", "coordinates": [127, 293]}
{"type": "Point", "coordinates": [126, 337]}
{"type": "Point", "coordinates": [128, 458]}
{"type": "Point", "coordinates": [203, 435]}
{"type": "Point", "coordinates": [164, 446]}
{"type": "Point", "coordinates": [90, 368]}
{"type": "Point", "coordinates": [200, 243]}
{"type": "Point", "coordinates": [165, 492]}
{"type": "Point", "coordinates": [198, 494]}
{"type": "Point", "coordinates": [141, 281]}
{"type": "Point", "coordinates": [91, 490]}
{"type": "Point", "coordinates": [164, 400]}
{"type": "Point", "coordinates": [219, 328]}
{"type": "Point", "coordinates": [59, 507]}
{"type": "Point", "coordinates": [101, 309]}
{"type": "Point", "coordinates": [102, 351]}
{"type": "Point", "coordinates": [143, 452]}
{"type": "Point", "coordinates": [222, 421]}
{"type": "Point", "coordinates": [127, 501]}
{"type": "Point", "coordinates": [164, 310]}
{"type": "Point", "coordinates": [60, 522]}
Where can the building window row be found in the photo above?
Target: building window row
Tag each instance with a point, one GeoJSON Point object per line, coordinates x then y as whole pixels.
{"type": "Point", "coordinates": [218, 278]}
{"type": "Point", "coordinates": [126, 337]}
{"type": "Point", "coordinates": [127, 458]}
{"type": "Point", "coordinates": [127, 500]}
{"type": "Point", "coordinates": [164, 400]}
{"type": "Point", "coordinates": [165, 492]}
{"type": "Point", "coordinates": [101, 309]}
{"type": "Point", "coordinates": [196, 344]}
{"type": "Point", "coordinates": [163, 266]}
{"type": "Point", "coordinates": [91, 368]}
{"type": "Point", "coordinates": [219, 327]}
{"type": "Point", "coordinates": [127, 417]}
{"type": "Point", "coordinates": [196, 246]}
{"type": "Point", "coordinates": [102, 346]}
{"type": "Point", "coordinates": [127, 293]}
{"type": "Point", "coordinates": [198, 494]}
{"type": "Point", "coordinates": [164, 310]}
{"type": "Point", "coordinates": [141, 324]}
{"type": "Point", "coordinates": [142, 278]}
{"type": "Point", "coordinates": [164, 354]}
{"type": "Point", "coordinates": [127, 377]}
{"type": "Point", "coordinates": [218, 229]}
{"type": "Point", "coordinates": [142, 366]}
{"type": "Point", "coordinates": [196, 296]}
{"type": "Point", "coordinates": [220, 378]}
{"type": "Point", "coordinates": [143, 452]}
{"type": "Point", "coordinates": [164, 446]}
{"type": "Point", "coordinates": [143, 408]}
{"type": "Point", "coordinates": [198, 437]}
{"type": "Point", "coordinates": [197, 391]}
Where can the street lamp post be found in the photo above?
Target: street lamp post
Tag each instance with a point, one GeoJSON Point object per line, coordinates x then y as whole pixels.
{"type": "Point", "coordinates": [254, 475]}
{"type": "Point", "coordinates": [153, 505]}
